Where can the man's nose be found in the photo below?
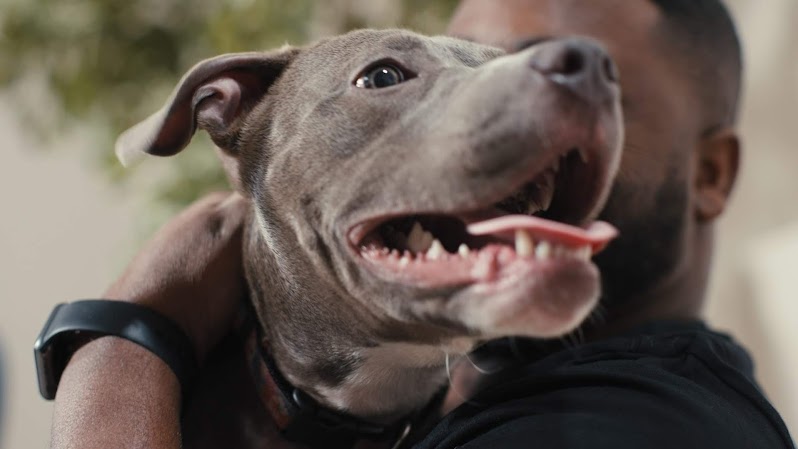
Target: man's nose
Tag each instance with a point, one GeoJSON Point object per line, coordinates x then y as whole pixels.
{"type": "Point", "coordinates": [579, 65]}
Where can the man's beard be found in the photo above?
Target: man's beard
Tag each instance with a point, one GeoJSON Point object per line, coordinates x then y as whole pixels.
{"type": "Point", "coordinates": [650, 245]}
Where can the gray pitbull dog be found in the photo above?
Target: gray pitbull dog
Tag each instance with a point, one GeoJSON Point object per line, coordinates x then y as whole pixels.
{"type": "Point", "coordinates": [412, 196]}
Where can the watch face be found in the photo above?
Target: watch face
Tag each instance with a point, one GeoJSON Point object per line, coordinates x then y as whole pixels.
{"type": "Point", "coordinates": [45, 350]}
{"type": "Point", "coordinates": [44, 372]}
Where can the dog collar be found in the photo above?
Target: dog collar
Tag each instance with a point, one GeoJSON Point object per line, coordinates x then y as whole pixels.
{"type": "Point", "coordinates": [303, 420]}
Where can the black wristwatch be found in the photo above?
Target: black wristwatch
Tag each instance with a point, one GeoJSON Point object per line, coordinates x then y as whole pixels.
{"type": "Point", "coordinates": [71, 325]}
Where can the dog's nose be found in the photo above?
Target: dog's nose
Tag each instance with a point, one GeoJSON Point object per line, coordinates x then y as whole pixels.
{"type": "Point", "coordinates": [579, 65]}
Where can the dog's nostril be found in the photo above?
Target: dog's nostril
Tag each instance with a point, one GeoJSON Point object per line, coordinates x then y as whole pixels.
{"type": "Point", "coordinates": [562, 60]}
{"type": "Point", "coordinates": [610, 69]}
{"type": "Point", "coordinates": [572, 63]}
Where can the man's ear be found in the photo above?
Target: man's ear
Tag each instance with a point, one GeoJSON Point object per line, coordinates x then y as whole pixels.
{"type": "Point", "coordinates": [718, 160]}
{"type": "Point", "coordinates": [214, 95]}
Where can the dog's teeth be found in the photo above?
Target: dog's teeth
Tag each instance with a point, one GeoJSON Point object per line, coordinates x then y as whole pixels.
{"type": "Point", "coordinates": [426, 242]}
{"type": "Point", "coordinates": [463, 250]}
{"type": "Point", "coordinates": [532, 208]}
{"type": "Point", "coordinates": [524, 246]}
{"type": "Point", "coordinates": [543, 250]}
{"type": "Point", "coordinates": [436, 250]}
{"type": "Point", "coordinates": [547, 198]}
{"type": "Point", "coordinates": [404, 261]}
{"type": "Point", "coordinates": [419, 240]}
{"type": "Point", "coordinates": [414, 239]}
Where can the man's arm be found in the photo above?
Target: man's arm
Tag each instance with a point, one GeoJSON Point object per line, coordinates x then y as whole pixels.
{"type": "Point", "coordinates": [114, 393]}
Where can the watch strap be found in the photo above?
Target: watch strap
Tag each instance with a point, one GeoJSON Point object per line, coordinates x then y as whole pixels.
{"type": "Point", "coordinates": [71, 325]}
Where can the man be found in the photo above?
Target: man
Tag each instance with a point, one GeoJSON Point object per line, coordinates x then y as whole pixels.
{"type": "Point", "coordinates": [650, 374]}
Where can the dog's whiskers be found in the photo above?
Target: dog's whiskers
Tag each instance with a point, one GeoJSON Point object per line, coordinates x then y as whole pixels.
{"type": "Point", "coordinates": [573, 339]}
{"type": "Point", "coordinates": [480, 369]}
{"type": "Point", "coordinates": [598, 316]}
{"type": "Point", "coordinates": [579, 335]}
{"type": "Point", "coordinates": [453, 388]}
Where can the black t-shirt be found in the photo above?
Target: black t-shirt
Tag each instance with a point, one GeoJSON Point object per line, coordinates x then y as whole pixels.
{"type": "Point", "coordinates": [667, 385]}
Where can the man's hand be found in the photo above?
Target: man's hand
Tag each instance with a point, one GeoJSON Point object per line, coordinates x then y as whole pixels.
{"type": "Point", "coordinates": [114, 393]}
{"type": "Point", "coordinates": [191, 270]}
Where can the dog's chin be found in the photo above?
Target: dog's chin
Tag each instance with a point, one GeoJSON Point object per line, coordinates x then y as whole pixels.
{"type": "Point", "coordinates": [531, 299]}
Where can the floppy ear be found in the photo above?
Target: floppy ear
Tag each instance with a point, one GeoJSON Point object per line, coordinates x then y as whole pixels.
{"type": "Point", "coordinates": [214, 95]}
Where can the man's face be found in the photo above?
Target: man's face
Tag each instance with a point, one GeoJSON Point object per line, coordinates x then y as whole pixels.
{"type": "Point", "coordinates": [652, 197]}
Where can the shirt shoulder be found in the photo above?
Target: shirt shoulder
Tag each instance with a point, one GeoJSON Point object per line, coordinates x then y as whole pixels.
{"type": "Point", "coordinates": [665, 387]}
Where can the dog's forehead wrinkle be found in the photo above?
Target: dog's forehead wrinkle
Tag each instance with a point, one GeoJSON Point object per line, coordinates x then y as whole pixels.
{"type": "Point", "coordinates": [404, 42]}
{"type": "Point", "coordinates": [468, 53]}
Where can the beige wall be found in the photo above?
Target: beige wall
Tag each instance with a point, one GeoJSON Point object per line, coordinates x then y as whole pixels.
{"type": "Point", "coordinates": [65, 232]}
{"type": "Point", "coordinates": [61, 235]}
{"type": "Point", "coordinates": [754, 288]}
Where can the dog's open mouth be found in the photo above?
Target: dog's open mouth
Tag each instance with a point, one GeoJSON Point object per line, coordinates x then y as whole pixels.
{"type": "Point", "coordinates": [532, 228]}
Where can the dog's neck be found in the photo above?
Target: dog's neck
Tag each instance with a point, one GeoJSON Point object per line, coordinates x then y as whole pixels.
{"type": "Point", "coordinates": [393, 381]}
{"type": "Point", "coordinates": [388, 382]}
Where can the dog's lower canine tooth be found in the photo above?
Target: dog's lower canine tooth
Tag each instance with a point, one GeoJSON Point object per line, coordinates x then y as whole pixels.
{"type": "Point", "coordinates": [543, 250]}
{"type": "Point", "coordinates": [463, 250]}
{"type": "Point", "coordinates": [524, 246]}
{"type": "Point", "coordinates": [436, 250]}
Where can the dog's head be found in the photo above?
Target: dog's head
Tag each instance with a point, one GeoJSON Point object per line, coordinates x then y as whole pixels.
{"type": "Point", "coordinates": [407, 182]}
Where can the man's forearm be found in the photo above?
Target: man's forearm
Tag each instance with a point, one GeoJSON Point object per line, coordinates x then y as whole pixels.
{"type": "Point", "coordinates": [114, 393]}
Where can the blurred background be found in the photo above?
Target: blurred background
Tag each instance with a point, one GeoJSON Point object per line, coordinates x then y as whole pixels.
{"type": "Point", "coordinates": [74, 73]}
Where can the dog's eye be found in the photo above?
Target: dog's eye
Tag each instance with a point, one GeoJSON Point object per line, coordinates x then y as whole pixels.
{"type": "Point", "coordinates": [383, 75]}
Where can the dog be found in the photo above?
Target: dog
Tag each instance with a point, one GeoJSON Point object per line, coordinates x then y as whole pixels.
{"type": "Point", "coordinates": [412, 196]}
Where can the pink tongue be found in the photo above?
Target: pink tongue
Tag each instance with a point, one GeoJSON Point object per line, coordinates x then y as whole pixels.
{"type": "Point", "coordinates": [597, 235]}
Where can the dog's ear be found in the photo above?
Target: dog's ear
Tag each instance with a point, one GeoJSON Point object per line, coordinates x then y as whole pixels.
{"type": "Point", "coordinates": [214, 95]}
